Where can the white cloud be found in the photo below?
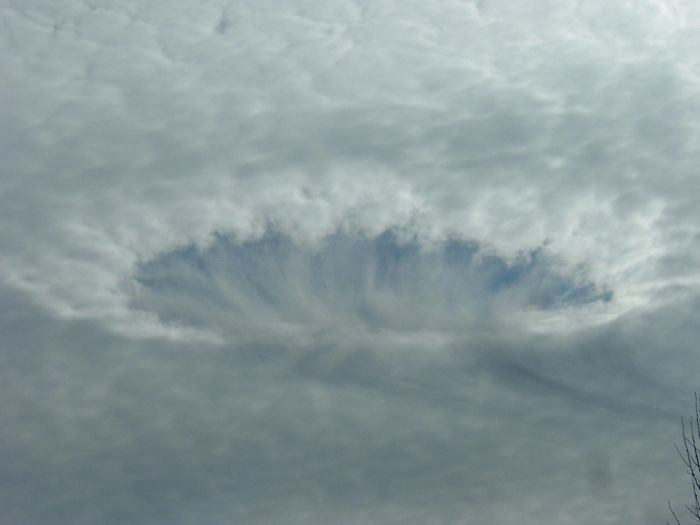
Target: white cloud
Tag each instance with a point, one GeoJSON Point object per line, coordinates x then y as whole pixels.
{"type": "Point", "coordinates": [135, 130]}
{"type": "Point", "coordinates": [148, 146]}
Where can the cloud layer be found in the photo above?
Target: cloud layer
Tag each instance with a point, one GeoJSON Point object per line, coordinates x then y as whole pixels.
{"type": "Point", "coordinates": [136, 130]}
{"type": "Point", "coordinates": [346, 261]}
{"type": "Point", "coordinates": [364, 429]}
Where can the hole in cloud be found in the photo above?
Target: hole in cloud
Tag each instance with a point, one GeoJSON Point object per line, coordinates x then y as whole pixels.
{"type": "Point", "coordinates": [346, 280]}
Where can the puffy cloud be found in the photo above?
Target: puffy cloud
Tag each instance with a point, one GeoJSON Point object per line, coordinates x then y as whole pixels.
{"type": "Point", "coordinates": [132, 131]}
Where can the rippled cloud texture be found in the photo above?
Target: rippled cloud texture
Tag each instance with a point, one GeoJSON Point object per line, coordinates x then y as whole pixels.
{"type": "Point", "coordinates": [351, 261]}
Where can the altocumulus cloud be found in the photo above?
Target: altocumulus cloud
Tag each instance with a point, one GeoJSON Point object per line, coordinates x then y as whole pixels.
{"type": "Point", "coordinates": [346, 261]}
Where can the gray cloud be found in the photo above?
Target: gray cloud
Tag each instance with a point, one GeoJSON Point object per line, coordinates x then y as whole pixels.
{"type": "Point", "coordinates": [105, 429]}
{"type": "Point", "coordinates": [346, 261]}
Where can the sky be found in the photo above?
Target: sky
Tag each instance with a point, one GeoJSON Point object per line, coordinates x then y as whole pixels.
{"type": "Point", "coordinates": [347, 262]}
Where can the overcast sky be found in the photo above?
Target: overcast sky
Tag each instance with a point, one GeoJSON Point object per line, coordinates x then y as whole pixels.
{"type": "Point", "coordinates": [290, 262]}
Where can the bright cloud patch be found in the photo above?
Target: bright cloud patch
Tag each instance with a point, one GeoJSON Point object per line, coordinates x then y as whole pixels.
{"type": "Point", "coordinates": [132, 131]}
